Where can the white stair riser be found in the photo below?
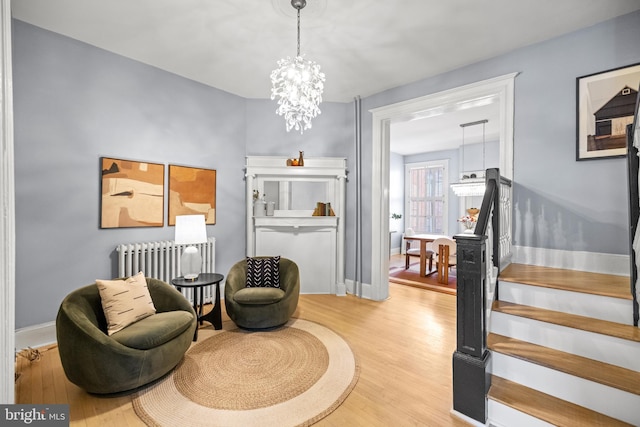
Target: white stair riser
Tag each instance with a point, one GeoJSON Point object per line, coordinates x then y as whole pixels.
{"type": "Point", "coordinates": [604, 348]}
{"type": "Point", "coordinates": [600, 398]}
{"type": "Point", "coordinates": [502, 415]}
{"type": "Point", "coordinates": [596, 306]}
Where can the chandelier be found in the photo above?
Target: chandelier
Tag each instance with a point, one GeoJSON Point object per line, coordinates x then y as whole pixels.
{"type": "Point", "coordinates": [471, 185]}
{"type": "Point", "coordinates": [298, 84]}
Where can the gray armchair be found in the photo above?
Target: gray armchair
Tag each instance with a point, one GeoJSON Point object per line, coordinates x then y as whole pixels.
{"type": "Point", "coordinates": [138, 354]}
{"type": "Point", "coordinates": [260, 308]}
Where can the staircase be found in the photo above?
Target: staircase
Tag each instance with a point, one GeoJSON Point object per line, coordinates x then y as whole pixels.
{"type": "Point", "coordinates": [564, 350]}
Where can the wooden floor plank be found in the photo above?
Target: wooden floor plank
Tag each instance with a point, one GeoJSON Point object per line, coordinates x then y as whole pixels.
{"type": "Point", "coordinates": [582, 367]}
{"type": "Point", "coordinates": [404, 346]}
{"type": "Point", "coordinates": [569, 280]}
{"type": "Point", "coordinates": [618, 330]}
{"type": "Point", "coordinates": [545, 407]}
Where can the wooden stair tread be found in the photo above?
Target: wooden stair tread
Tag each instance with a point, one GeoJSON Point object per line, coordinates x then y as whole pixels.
{"type": "Point", "coordinates": [569, 280]}
{"type": "Point", "coordinates": [589, 324]}
{"type": "Point", "coordinates": [589, 369]}
{"type": "Point", "coordinates": [545, 407]}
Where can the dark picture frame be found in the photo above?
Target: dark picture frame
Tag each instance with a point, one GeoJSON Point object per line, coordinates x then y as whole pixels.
{"type": "Point", "coordinates": [192, 191]}
{"type": "Point", "coordinates": [605, 106]}
{"type": "Point", "coordinates": [132, 193]}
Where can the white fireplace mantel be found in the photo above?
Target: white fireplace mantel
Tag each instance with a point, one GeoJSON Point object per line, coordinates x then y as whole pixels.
{"type": "Point", "coordinates": [315, 243]}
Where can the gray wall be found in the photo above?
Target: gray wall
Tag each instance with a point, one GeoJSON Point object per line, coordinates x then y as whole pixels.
{"type": "Point", "coordinates": [75, 103]}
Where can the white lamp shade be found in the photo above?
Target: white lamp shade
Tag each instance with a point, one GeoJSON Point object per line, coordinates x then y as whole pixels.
{"type": "Point", "coordinates": [190, 229]}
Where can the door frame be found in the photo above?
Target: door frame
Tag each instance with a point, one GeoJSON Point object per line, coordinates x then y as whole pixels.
{"type": "Point", "coordinates": [501, 87]}
{"type": "Point", "coordinates": [7, 212]}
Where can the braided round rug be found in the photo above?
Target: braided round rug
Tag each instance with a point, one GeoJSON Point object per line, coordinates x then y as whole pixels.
{"type": "Point", "coordinates": [290, 376]}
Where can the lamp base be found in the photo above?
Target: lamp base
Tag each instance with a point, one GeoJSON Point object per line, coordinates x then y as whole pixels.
{"type": "Point", "coordinates": [190, 263]}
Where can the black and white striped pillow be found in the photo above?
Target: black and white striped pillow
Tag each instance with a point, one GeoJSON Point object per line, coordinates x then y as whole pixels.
{"type": "Point", "coordinates": [263, 272]}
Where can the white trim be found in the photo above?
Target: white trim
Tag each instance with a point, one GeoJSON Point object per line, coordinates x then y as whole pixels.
{"type": "Point", "coordinates": [593, 262]}
{"type": "Point", "coordinates": [502, 87]}
{"type": "Point", "coordinates": [36, 336]}
{"type": "Point", "coordinates": [367, 289]}
{"type": "Point", "coordinates": [466, 419]}
{"type": "Point", "coordinates": [7, 212]}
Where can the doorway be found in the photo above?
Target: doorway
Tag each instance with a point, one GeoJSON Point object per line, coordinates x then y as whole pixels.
{"type": "Point", "coordinates": [501, 88]}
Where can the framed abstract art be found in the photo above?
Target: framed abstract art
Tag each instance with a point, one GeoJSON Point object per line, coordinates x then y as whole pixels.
{"type": "Point", "coordinates": [192, 191]}
{"type": "Point", "coordinates": [132, 193]}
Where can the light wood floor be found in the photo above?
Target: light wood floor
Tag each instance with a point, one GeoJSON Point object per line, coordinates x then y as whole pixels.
{"type": "Point", "coordinates": [404, 346]}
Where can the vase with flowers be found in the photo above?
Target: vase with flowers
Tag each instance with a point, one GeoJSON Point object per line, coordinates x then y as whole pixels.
{"type": "Point", "coordinates": [469, 222]}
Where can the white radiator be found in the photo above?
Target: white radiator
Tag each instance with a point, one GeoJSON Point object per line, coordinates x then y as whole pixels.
{"type": "Point", "coordinates": [161, 260]}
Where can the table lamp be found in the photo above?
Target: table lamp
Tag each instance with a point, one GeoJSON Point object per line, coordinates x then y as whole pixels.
{"type": "Point", "coordinates": [190, 230]}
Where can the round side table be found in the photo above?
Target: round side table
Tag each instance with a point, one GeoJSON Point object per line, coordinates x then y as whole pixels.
{"type": "Point", "coordinates": [204, 279]}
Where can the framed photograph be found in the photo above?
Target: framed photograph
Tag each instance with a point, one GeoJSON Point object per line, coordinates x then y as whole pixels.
{"type": "Point", "coordinates": [192, 191]}
{"type": "Point", "coordinates": [605, 106]}
{"type": "Point", "coordinates": [132, 193]}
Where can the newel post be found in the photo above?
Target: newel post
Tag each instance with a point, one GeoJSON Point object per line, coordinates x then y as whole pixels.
{"type": "Point", "coordinates": [471, 379]}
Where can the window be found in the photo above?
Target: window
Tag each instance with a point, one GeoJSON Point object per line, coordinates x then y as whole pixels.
{"type": "Point", "coordinates": [425, 196]}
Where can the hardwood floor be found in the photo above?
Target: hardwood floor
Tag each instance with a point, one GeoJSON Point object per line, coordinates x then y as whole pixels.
{"type": "Point", "coordinates": [404, 346]}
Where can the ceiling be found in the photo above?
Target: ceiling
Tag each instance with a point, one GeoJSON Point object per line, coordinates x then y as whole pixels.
{"type": "Point", "coordinates": [363, 46]}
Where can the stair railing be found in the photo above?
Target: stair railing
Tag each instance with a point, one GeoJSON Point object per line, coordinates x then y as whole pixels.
{"type": "Point", "coordinates": [480, 256]}
{"type": "Point", "coordinates": [633, 166]}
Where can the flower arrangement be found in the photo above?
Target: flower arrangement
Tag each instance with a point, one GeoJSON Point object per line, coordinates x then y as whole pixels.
{"type": "Point", "coordinates": [468, 221]}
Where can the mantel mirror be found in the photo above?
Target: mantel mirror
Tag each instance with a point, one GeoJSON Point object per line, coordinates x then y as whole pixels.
{"type": "Point", "coordinates": [294, 194]}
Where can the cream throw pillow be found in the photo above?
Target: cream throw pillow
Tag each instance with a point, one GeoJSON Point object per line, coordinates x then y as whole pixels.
{"type": "Point", "coordinates": [125, 301]}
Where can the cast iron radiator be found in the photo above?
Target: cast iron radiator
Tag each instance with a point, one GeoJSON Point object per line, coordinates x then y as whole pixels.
{"type": "Point", "coordinates": [161, 260]}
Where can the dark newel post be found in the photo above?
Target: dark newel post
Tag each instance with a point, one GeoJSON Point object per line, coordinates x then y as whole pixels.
{"type": "Point", "coordinates": [633, 168]}
{"type": "Point", "coordinates": [471, 379]}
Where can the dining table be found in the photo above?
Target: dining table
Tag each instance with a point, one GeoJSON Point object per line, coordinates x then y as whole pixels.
{"type": "Point", "coordinates": [424, 239]}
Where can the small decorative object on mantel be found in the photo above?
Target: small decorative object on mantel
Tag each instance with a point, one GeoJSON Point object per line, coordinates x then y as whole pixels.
{"type": "Point", "coordinates": [297, 162]}
{"type": "Point", "coordinates": [473, 212]}
{"type": "Point", "coordinates": [323, 209]}
{"type": "Point", "coordinates": [259, 205]}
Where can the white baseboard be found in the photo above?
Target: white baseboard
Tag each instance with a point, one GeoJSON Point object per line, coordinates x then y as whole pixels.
{"type": "Point", "coordinates": [367, 289]}
{"type": "Point", "coordinates": [466, 419]}
{"type": "Point", "coordinates": [573, 260]}
{"type": "Point", "coordinates": [36, 336]}
{"type": "Point", "coordinates": [341, 289]}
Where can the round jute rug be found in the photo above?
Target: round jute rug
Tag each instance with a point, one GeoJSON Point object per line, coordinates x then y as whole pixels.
{"type": "Point", "coordinates": [290, 376]}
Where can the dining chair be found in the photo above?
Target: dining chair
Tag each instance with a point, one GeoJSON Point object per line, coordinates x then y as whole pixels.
{"type": "Point", "coordinates": [446, 257]}
{"type": "Point", "coordinates": [410, 251]}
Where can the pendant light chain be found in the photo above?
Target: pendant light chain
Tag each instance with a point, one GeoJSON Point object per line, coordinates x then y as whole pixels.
{"type": "Point", "coordinates": [463, 148]}
{"type": "Point", "coordinates": [298, 51]}
{"type": "Point", "coordinates": [484, 123]}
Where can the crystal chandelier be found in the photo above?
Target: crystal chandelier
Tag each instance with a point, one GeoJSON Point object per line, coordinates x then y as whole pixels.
{"type": "Point", "coordinates": [470, 185]}
{"type": "Point", "coordinates": [298, 84]}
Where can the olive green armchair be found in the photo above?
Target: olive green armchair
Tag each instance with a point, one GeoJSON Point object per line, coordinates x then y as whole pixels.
{"type": "Point", "coordinates": [261, 307]}
{"type": "Point", "coordinates": [135, 356]}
